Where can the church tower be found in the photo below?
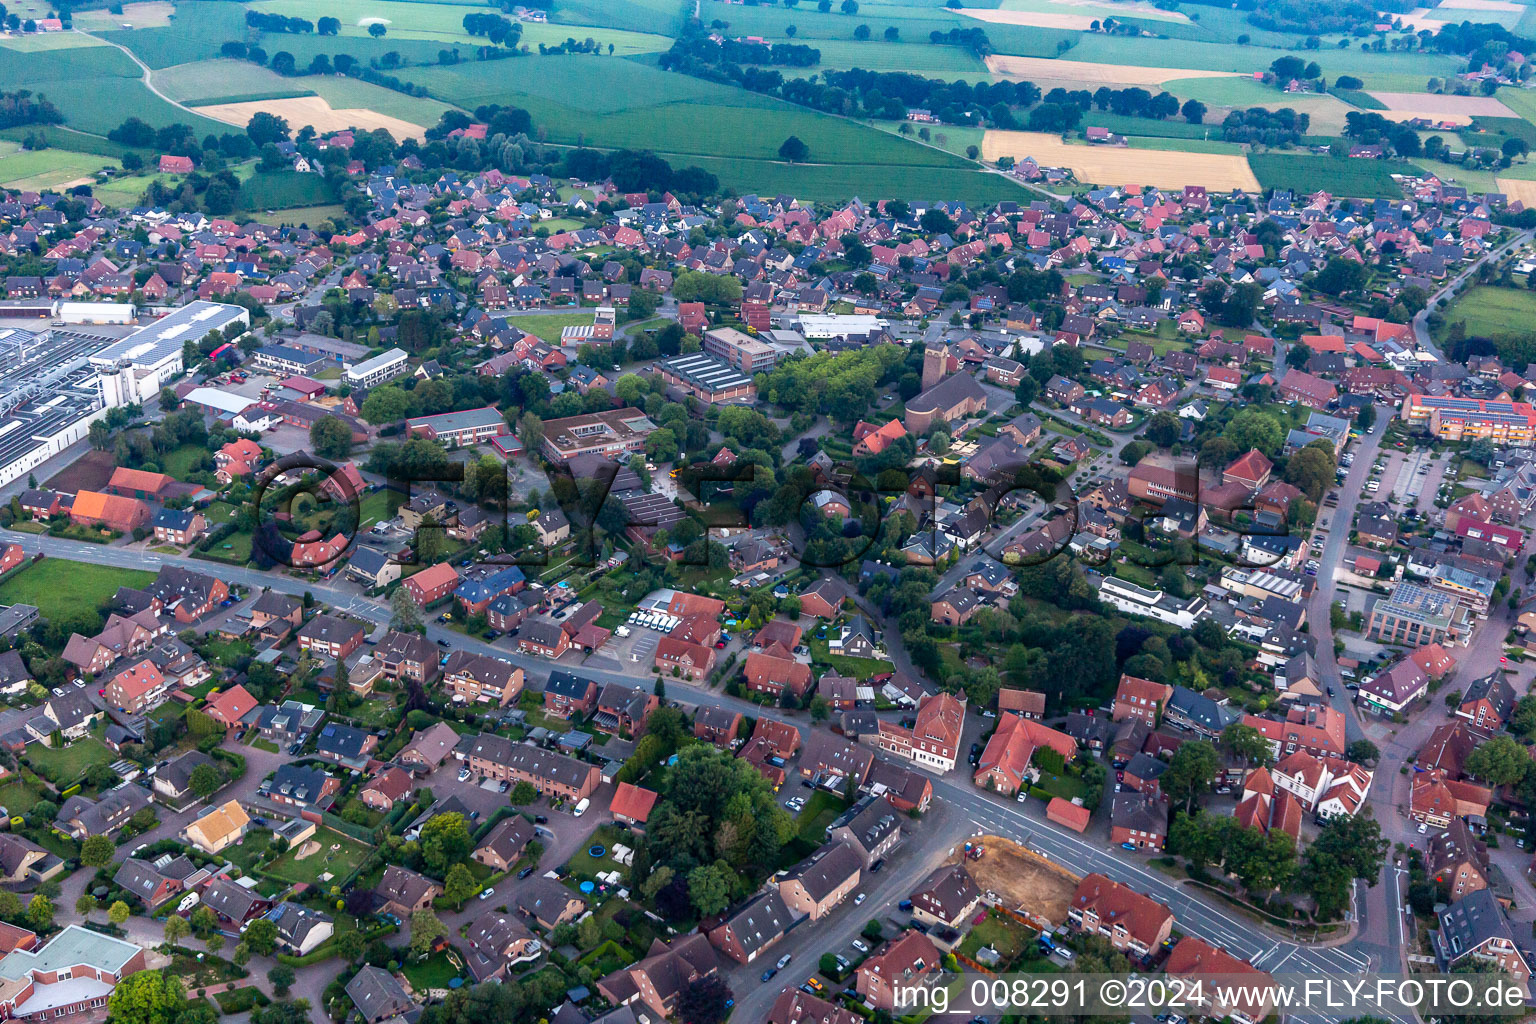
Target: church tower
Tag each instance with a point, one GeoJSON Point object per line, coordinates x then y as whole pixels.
{"type": "Point", "coordinates": [935, 363]}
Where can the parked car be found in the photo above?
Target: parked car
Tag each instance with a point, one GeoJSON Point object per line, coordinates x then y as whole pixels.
{"type": "Point", "coordinates": [784, 961]}
{"type": "Point", "coordinates": [488, 893]}
{"type": "Point", "coordinates": [525, 872]}
{"type": "Point", "coordinates": [769, 973]}
{"type": "Point", "coordinates": [463, 774]}
{"type": "Point", "coordinates": [860, 945]}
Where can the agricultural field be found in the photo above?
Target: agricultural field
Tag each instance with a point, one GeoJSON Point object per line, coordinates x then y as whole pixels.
{"type": "Point", "coordinates": [150, 14]}
{"type": "Point", "coordinates": [441, 22]}
{"type": "Point", "coordinates": [215, 82]}
{"type": "Point", "coordinates": [1112, 165]}
{"type": "Point", "coordinates": [947, 62]}
{"type": "Point", "coordinates": [834, 183]}
{"type": "Point", "coordinates": [1185, 145]}
{"type": "Point", "coordinates": [1303, 174]}
{"type": "Point", "coordinates": [1222, 95]}
{"type": "Point", "coordinates": [1400, 71]}
{"type": "Point", "coordinates": [1458, 110]}
{"type": "Point", "coordinates": [314, 111]}
{"type": "Point", "coordinates": [731, 132]}
{"type": "Point", "coordinates": [194, 32]}
{"type": "Point", "coordinates": [1517, 189]}
{"type": "Point", "coordinates": [662, 16]}
{"type": "Point", "coordinates": [912, 22]}
{"type": "Point", "coordinates": [47, 168]}
{"type": "Point", "coordinates": [48, 41]}
{"type": "Point", "coordinates": [94, 87]}
{"type": "Point", "coordinates": [1091, 74]}
{"type": "Point", "coordinates": [1078, 16]}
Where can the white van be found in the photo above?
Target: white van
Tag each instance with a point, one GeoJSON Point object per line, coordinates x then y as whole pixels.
{"type": "Point", "coordinates": [581, 808]}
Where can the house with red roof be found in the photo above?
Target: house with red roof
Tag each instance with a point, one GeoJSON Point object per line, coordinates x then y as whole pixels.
{"type": "Point", "coordinates": [1133, 923]}
{"type": "Point", "coordinates": [175, 164]}
{"type": "Point", "coordinates": [632, 804]}
{"type": "Point", "coordinates": [1006, 763]}
{"type": "Point", "coordinates": [229, 707]}
{"type": "Point", "coordinates": [1251, 470]}
{"type": "Point", "coordinates": [1195, 960]}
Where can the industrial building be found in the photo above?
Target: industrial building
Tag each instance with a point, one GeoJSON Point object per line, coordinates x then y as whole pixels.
{"type": "Point", "coordinates": [137, 367]}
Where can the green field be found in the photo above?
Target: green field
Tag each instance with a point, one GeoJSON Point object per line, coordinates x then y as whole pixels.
{"type": "Point", "coordinates": [442, 22]}
{"type": "Point", "coordinates": [834, 183]}
{"type": "Point", "coordinates": [731, 132]}
{"type": "Point", "coordinates": [231, 81]}
{"type": "Point", "coordinates": [1498, 314]}
{"type": "Point", "coordinates": [548, 326]}
{"type": "Point", "coordinates": [95, 88]}
{"type": "Point", "coordinates": [197, 32]}
{"type": "Point", "coordinates": [662, 16]}
{"type": "Point", "coordinates": [309, 216]}
{"type": "Point", "coordinates": [1185, 145]}
{"type": "Point", "coordinates": [1357, 179]}
{"type": "Point", "coordinates": [1392, 71]}
{"type": "Point", "coordinates": [49, 41]}
{"type": "Point", "coordinates": [277, 190]}
{"type": "Point", "coordinates": [1173, 128]}
{"type": "Point", "coordinates": [59, 137]}
{"type": "Point", "coordinates": [912, 22]}
{"type": "Point", "coordinates": [921, 58]}
{"type": "Point", "coordinates": [56, 585]}
{"type": "Point", "coordinates": [46, 168]}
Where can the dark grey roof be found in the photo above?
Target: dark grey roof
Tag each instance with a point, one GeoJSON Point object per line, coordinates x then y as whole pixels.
{"type": "Point", "coordinates": [378, 994]}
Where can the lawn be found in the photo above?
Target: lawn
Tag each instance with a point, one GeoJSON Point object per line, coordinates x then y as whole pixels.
{"type": "Point", "coordinates": [436, 971]}
{"type": "Point", "coordinates": [820, 811]}
{"type": "Point", "coordinates": [1502, 315]}
{"type": "Point", "coordinates": [339, 863]}
{"type": "Point", "coordinates": [17, 795]}
{"type": "Point", "coordinates": [184, 461]}
{"type": "Point", "coordinates": [548, 326]}
{"type": "Point", "coordinates": [1357, 179]}
{"type": "Point", "coordinates": [857, 668]}
{"type": "Point", "coordinates": [234, 549]}
{"type": "Point", "coordinates": [57, 586]}
{"type": "Point", "coordinates": [64, 765]}
{"type": "Point", "coordinates": [1001, 933]}
{"type": "Point", "coordinates": [1064, 786]}
{"type": "Point", "coordinates": [583, 866]}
